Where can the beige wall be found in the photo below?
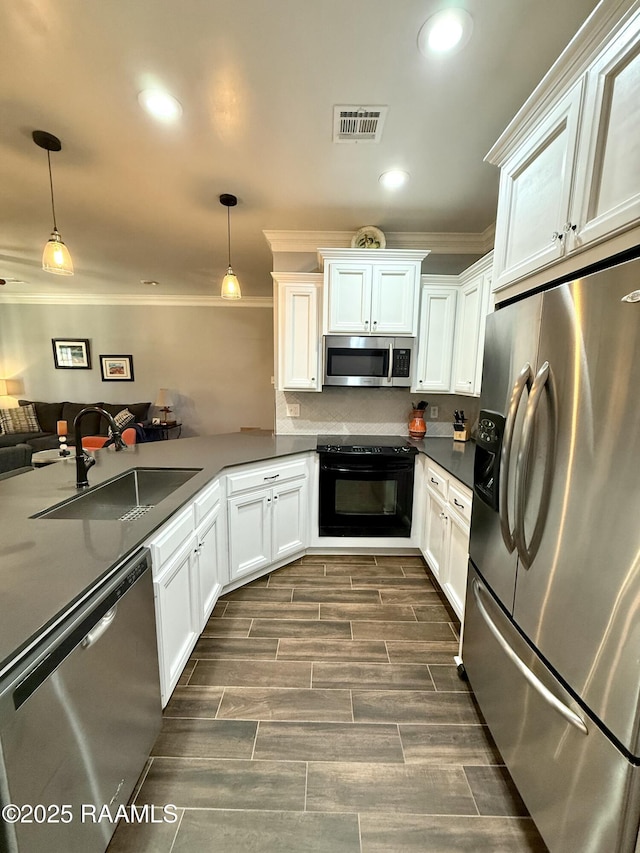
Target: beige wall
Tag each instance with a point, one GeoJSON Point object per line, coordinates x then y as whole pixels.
{"type": "Point", "coordinates": [217, 361]}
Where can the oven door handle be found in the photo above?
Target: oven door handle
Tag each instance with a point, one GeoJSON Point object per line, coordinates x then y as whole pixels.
{"type": "Point", "coordinates": [364, 469]}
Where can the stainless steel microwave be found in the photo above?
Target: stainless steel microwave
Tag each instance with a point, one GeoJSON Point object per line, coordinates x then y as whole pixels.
{"type": "Point", "coordinates": [368, 362]}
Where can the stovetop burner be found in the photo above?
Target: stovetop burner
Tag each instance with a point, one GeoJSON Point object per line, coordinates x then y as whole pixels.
{"type": "Point", "coordinates": [386, 445]}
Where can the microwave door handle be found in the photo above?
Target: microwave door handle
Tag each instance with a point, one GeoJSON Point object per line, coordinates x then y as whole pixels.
{"type": "Point", "coordinates": [542, 382]}
{"type": "Point", "coordinates": [569, 715]}
{"type": "Point", "coordinates": [390, 371]}
{"type": "Point", "coordinates": [523, 381]}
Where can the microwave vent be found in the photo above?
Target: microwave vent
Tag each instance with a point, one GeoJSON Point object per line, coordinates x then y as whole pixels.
{"type": "Point", "coordinates": [358, 124]}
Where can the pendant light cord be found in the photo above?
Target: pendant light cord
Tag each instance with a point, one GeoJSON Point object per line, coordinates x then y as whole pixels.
{"type": "Point", "coordinates": [53, 207]}
{"type": "Point", "coordinates": [229, 234]}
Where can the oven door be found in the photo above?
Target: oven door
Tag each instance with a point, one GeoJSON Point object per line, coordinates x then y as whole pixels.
{"type": "Point", "coordinates": [365, 496]}
{"type": "Point", "coordinates": [358, 361]}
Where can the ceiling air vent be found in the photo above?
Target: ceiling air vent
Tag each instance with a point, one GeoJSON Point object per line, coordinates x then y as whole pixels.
{"type": "Point", "coordinates": [358, 124]}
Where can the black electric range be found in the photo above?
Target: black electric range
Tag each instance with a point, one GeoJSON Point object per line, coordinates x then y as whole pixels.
{"type": "Point", "coordinates": [384, 445]}
{"type": "Point", "coordinates": [366, 485]}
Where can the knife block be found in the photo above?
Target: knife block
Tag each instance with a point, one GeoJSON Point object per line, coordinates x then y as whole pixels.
{"type": "Point", "coordinates": [460, 432]}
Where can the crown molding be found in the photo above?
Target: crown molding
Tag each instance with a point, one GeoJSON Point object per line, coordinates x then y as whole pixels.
{"type": "Point", "coordinates": [159, 301]}
{"type": "Point", "coordinates": [298, 277]}
{"type": "Point", "coordinates": [601, 27]}
{"type": "Point", "coordinates": [439, 243]}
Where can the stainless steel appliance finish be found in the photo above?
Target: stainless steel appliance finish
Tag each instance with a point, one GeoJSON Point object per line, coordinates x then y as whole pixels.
{"type": "Point", "coordinates": [124, 498]}
{"type": "Point", "coordinates": [79, 716]}
{"type": "Point", "coordinates": [554, 585]}
{"type": "Point", "coordinates": [368, 362]}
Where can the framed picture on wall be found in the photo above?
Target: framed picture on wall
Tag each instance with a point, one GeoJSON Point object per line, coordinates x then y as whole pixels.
{"type": "Point", "coordinates": [116, 368]}
{"type": "Point", "coordinates": [71, 354]}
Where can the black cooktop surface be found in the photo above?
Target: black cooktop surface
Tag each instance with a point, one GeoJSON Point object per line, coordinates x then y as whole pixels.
{"type": "Point", "coordinates": [383, 444]}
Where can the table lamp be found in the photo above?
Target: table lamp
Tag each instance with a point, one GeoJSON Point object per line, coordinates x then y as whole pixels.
{"type": "Point", "coordinates": [163, 403]}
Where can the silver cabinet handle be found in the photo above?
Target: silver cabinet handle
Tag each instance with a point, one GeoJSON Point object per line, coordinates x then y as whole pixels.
{"type": "Point", "coordinates": [542, 382]}
{"type": "Point", "coordinates": [390, 371]}
{"type": "Point", "coordinates": [569, 715]}
{"type": "Point", "coordinates": [103, 625]}
{"type": "Point", "coordinates": [274, 477]}
{"type": "Point", "coordinates": [523, 381]}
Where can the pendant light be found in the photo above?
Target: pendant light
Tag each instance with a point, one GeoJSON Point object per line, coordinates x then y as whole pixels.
{"type": "Point", "coordinates": [230, 284]}
{"type": "Point", "coordinates": [55, 257]}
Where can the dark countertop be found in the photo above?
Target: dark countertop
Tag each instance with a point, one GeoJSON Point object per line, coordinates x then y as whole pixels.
{"type": "Point", "coordinates": [47, 564]}
{"type": "Point", "coordinates": [456, 457]}
{"type": "Point", "coordinates": [51, 563]}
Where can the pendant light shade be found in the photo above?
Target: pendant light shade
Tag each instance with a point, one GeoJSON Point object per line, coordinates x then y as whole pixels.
{"type": "Point", "coordinates": [55, 257]}
{"type": "Point", "coordinates": [230, 284]}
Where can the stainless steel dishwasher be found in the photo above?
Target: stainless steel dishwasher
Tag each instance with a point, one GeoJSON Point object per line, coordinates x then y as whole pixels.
{"type": "Point", "coordinates": [78, 718]}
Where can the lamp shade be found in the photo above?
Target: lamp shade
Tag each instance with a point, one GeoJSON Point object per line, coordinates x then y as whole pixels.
{"type": "Point", "coordinates": [163, 399]}
{"type": "Point", "coordinates": [230, 286]}
{"type": "Point", "coordinates": [56, 257]}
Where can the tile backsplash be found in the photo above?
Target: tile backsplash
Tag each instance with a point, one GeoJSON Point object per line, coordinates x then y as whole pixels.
{"type": "Point", "coordinates": [367, 411]}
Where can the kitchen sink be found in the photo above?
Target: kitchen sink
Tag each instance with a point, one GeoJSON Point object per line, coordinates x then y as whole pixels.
{"type": "Point", "coordinates": [124, 498]}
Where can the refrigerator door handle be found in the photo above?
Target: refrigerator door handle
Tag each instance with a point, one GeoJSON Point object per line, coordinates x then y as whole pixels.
{"type": "Point", "coordinates": [542, 382]}
{"type": "Point", "coordinates": [523, 381]}
{"type": "Point", "coordinates": [567, 713]}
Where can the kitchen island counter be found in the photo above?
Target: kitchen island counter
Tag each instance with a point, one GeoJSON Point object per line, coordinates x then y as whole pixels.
{"type": "Point", "coordinates": [47, 565]}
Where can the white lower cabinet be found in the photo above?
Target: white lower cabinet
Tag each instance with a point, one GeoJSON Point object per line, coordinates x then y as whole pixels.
{"type": "Point", "coordinates": [267, 512]}
{"type": "Point", "coordinates": [176, 599]}
{"type": "Point", "coordinates": [189, 571]}
{"type": "Point", "coordinates": [445, 539]}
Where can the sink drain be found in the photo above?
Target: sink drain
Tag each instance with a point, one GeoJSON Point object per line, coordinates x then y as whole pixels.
{"type": "Point", "coordinates": [135, 512]}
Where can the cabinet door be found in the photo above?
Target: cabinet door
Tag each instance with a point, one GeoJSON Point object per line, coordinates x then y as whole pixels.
{"type": "Point", "coordinates": [435, 341]}
{"type": "Point", "coordinates": [177, 605]}
{"type": "Point", "coordinates": [298, 338]}
{"type": "Point", "coordinates": [608, 176]}
{"type": "Point", "coordinates": [470, 306]}
{"type": "Point", "coordinates": [454, 576]}
{"type": "Point", "coordinates": [349, 299]}
{"type": "Point", "coordinates": [210, 564]}
{"type": "Point", "coordinates": [534, 197]}
{"type": "Point", "coordinates": [249, 532]}
{"type": "Point", "coordinates": [289, 519]}
{"type": "Point", "coordinates": [433, 547]}
{"type": "Point", "coordinates": [394, 298]}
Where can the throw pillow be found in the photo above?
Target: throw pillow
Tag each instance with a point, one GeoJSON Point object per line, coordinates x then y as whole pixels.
{"type": "Point", "coordinates": [122, 419]}
{"type": "Point", "coordinates": [22, 419]}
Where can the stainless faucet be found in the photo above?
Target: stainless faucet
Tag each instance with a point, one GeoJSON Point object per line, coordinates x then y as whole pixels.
{"type": "Point", "coordinates": [83, 460]}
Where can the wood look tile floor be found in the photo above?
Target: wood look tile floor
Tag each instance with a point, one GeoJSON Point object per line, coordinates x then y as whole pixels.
{"type": "Point", "coordinates": [321, 712]}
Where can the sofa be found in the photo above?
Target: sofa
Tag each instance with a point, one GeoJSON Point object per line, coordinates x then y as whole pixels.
{"type": "Point", "coordinates": [48, 414]}
{"type": "Point", "coordinates": [15, 460]}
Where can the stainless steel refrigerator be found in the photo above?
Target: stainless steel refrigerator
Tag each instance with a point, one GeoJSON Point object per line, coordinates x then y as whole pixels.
{"type": "Point", "coordinates": [552, 623]}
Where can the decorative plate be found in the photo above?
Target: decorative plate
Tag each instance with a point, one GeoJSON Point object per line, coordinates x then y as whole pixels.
{"type": "Point", "coordinates": [368, 237]}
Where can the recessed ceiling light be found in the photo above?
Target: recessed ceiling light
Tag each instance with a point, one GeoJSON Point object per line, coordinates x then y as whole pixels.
{"type": "Point", "coordinates": [445, 31]}
{"type": "Point", "coordinates": [394, 179]}
{"type": "Point", "coordinates": [160, 105]}
{"type": "Point", "coordinates": [149, 281]}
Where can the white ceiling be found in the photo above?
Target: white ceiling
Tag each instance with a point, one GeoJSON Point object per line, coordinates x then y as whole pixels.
{"type": "Point", "coordinates": [257, 80]}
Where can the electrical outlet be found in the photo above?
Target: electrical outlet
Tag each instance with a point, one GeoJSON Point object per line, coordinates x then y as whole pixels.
{"type": "Point", "coordinates": [293, 410]}
{"type": "Point", "coordinates": [434, 413]}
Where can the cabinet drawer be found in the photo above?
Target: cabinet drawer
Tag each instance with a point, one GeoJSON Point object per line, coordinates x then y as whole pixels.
{"type": "Point", "coordinates": [460, 501]}
{"type": "Point", "coordinates": [171, 538]}
{"type": "Point", "coordinates": [207, 500]}
{"type": "Point", "coordinates": [266, 476]}
{"type": "Point", "coordinates": [437, 480]}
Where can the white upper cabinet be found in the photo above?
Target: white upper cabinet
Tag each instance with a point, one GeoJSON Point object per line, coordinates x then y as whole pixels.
{"type": "Point", "coordinates": [436, 335]}
{"type": "Point", "coordinates": [373, 291]}
{"type": "Point", "coordinates": [608, 173]}
{"type": "Point", "coordinates": [297, 333]}
{"type": "Point", "coordinates": [535, 185]}
{"type": "Point", "coordinates": [570, 160]}
{"type": "Point", "coordinates": [471, 316]}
